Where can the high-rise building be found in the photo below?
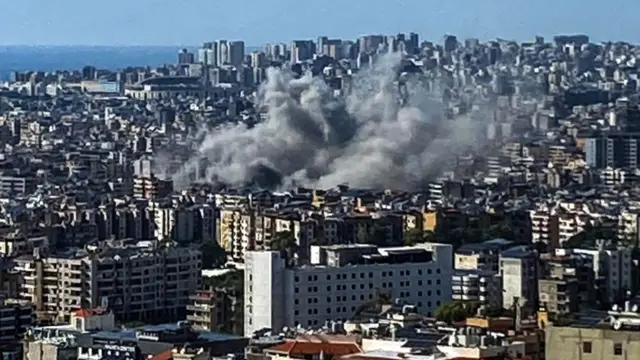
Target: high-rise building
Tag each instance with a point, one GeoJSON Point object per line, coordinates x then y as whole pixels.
{"type": "Point", "coordinates": [302, 50]}
{"type": "Point", "coordinates": [223, 52]}
{"type": "Point", "coordinates": [236, 53]}
{"type": "Point", "coordinates": [519, 270]}
{"type": "Point", "coordinates": [322, 40]}
{"type": "Point", "coordinates": [413, 45]}
{"type": "Point", "coordinates": [136, 281]}
{"type": "Point", "coordinates": [370, 43]}
{"type": "Point", "coordinates": [340, 281]}
{"type": "Point", "coordinates": [258, 60]}
{"type": "Point", "coordinates": [450, 43]}
{"type": "Point", "coordinates": [186, 57]}
{"type": "Point", "coordinates": [613, 150]}
{"type": "Point", "coordinates": [207, 57]}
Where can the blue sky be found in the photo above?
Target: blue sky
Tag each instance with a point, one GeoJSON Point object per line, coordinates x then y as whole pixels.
{"type": "Point", "coordinates": [191, 22]}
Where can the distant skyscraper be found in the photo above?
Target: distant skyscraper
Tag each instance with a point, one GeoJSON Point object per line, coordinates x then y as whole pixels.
{"type": "Point", "coordinates": [236, 53]}
{"type": "Point", "coordinates": [450, 43]}
{"type": "Point", "coordinates": [370, 43]}
{"type": "Point", "coordinates": [186, 57]}
{"type": "Point", "coordinates": [413, 43]}
{"type": "Point", "coordinates": [322, 41]}
{"type": "Point", "coordinates": [207, 57]}
{"type": "Point", "coordinates": [302, 50]}
{"type": "Point", "coordinates": [258, 59]}
{"type": "Point", "coordinates": [223, 52]}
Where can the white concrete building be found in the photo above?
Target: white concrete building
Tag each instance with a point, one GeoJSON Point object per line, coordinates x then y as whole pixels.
{"type": "Point", "coordinates": [612, 270]}
{"type": "Point", "coordinates": [340, 279]}
{"type": "Point", "coordinates": [519, 271]}
{"type": "Point", "coordinates": [483, 287]}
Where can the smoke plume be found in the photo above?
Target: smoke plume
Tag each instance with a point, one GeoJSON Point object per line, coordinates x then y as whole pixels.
{"type": "Point", "coordinates": [372, 138]}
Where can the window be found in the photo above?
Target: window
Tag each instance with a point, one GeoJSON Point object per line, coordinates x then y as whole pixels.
{"type": "Point", "coordinates": [586, 347]}
{"type": "Point", "coordinates": [617, 349]}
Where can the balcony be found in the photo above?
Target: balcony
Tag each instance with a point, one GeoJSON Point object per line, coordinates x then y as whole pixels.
{"type": "Point", "coordinates": [198, 319]}
{"type": "Point", "coordinates": [199, 308]}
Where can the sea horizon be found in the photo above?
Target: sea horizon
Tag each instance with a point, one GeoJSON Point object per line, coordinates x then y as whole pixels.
{"type": "Point", "coordinates": [75, 57]}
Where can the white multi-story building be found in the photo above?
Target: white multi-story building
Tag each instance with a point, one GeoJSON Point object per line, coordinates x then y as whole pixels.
{"type": "Point", "coordinates": [612, 270]}
{"type": "Point", "coordinates": [482, 287]}
{"type": "Point", "coordinates": [340, 280]}
{"type": "Point", "coordinates": [519, 271]}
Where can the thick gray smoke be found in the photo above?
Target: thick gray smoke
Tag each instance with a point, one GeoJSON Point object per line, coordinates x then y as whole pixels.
{"type": "Point", "coordinates": [311, 138]}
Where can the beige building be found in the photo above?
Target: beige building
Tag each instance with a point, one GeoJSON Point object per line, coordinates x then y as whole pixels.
{"type": "Point", "coordinates": [591, 343]}
{"type": "Point", "coordinates": [151, 188]}
{"type": "Point", "coordinates": [244, 230]}
{"type": "Point", "coordinates": [217, 311]}
{"type": "Point", "coordinates": [136, 281]}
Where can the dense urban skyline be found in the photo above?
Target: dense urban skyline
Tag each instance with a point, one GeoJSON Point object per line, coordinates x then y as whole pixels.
{"type": "Point", "coordinates": [155, 22]}
{"type": "Point", "coordinates": [358, 197]}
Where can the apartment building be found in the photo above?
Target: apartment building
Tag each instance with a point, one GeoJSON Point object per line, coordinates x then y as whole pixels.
{"type": "Point", "coordinates": [519, 271]}
{"type": "Point", "coordinates": [182, 223]}
{"type": "Point", "coordinates": [629, 226]}
{"type": "Point", "coordinates": [481, 287]}
{"type": "Point", "coordinates": [244, 230]}
{"type": "Point", "coordinates": [16, 316]}
{"type": "Point", "coordinates": [545, 227]}
{"type": "Point", "coordinates": [591, 338]}
{"type": "Point", "coordinates": [136, 280]}
{"type": "Point", "coordinates": [612, 268]}
{"type": "Point", "coordinates": [216, 310]}
{"type": "Point", "coordinates": [340, 280]}
{"type": "Point", "coordinates": [481, 256]}
{"type": "Point", "coordinates": [151, 188]}
{"type": "Point", "coordinates": [567, 280]}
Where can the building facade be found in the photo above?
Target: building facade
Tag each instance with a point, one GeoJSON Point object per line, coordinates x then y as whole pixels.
{"type": "Point", "coordinates": [137, 282]}
{"type": "Point", "coordinates": [340, 280]}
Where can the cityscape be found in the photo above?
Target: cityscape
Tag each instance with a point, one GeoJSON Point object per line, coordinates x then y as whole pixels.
{"type": "Point", "coordinates": [385, 197]}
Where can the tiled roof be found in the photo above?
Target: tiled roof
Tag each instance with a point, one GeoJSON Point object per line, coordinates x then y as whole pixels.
{"type": "Point", "coordinates": [165, 355]}
{"type": "Point", "coordinates": [301, 348]}
{"type": "Point", "coordinates": [85, 313]}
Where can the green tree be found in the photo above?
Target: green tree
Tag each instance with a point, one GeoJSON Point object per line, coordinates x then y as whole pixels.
{"type": "Point", "coordinates": [285, 242]}
{"type": "Point", "coordinates": [362, 237]}
{"type": "Point", "coordinates": [232, 280]}
{"type": "Point", "coordinates": [213, 255]}
{"type": "Point", "coordinates": [454, 312]}
{"type": "Point", "coordinates": [378, 235]}
{"type": "Point", "coordinates": [501, 230]}
{"type": "Point", "coordinates": [414, 236]}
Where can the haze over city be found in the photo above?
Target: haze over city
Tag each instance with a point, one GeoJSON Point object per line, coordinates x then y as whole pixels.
{"type": "Point", "coordinates": [164, 22]}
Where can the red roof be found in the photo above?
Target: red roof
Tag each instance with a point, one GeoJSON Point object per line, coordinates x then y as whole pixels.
{"type": "Point", "coordinates": [85, 313]}
{"type": "Point", "coordinates": [165, 355]}
{"type": "Point", "coordinates": [301, 348]}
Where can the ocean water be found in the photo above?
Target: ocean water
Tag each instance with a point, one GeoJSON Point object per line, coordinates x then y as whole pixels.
{"type": "Point", "coordinates": [50, 58]}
